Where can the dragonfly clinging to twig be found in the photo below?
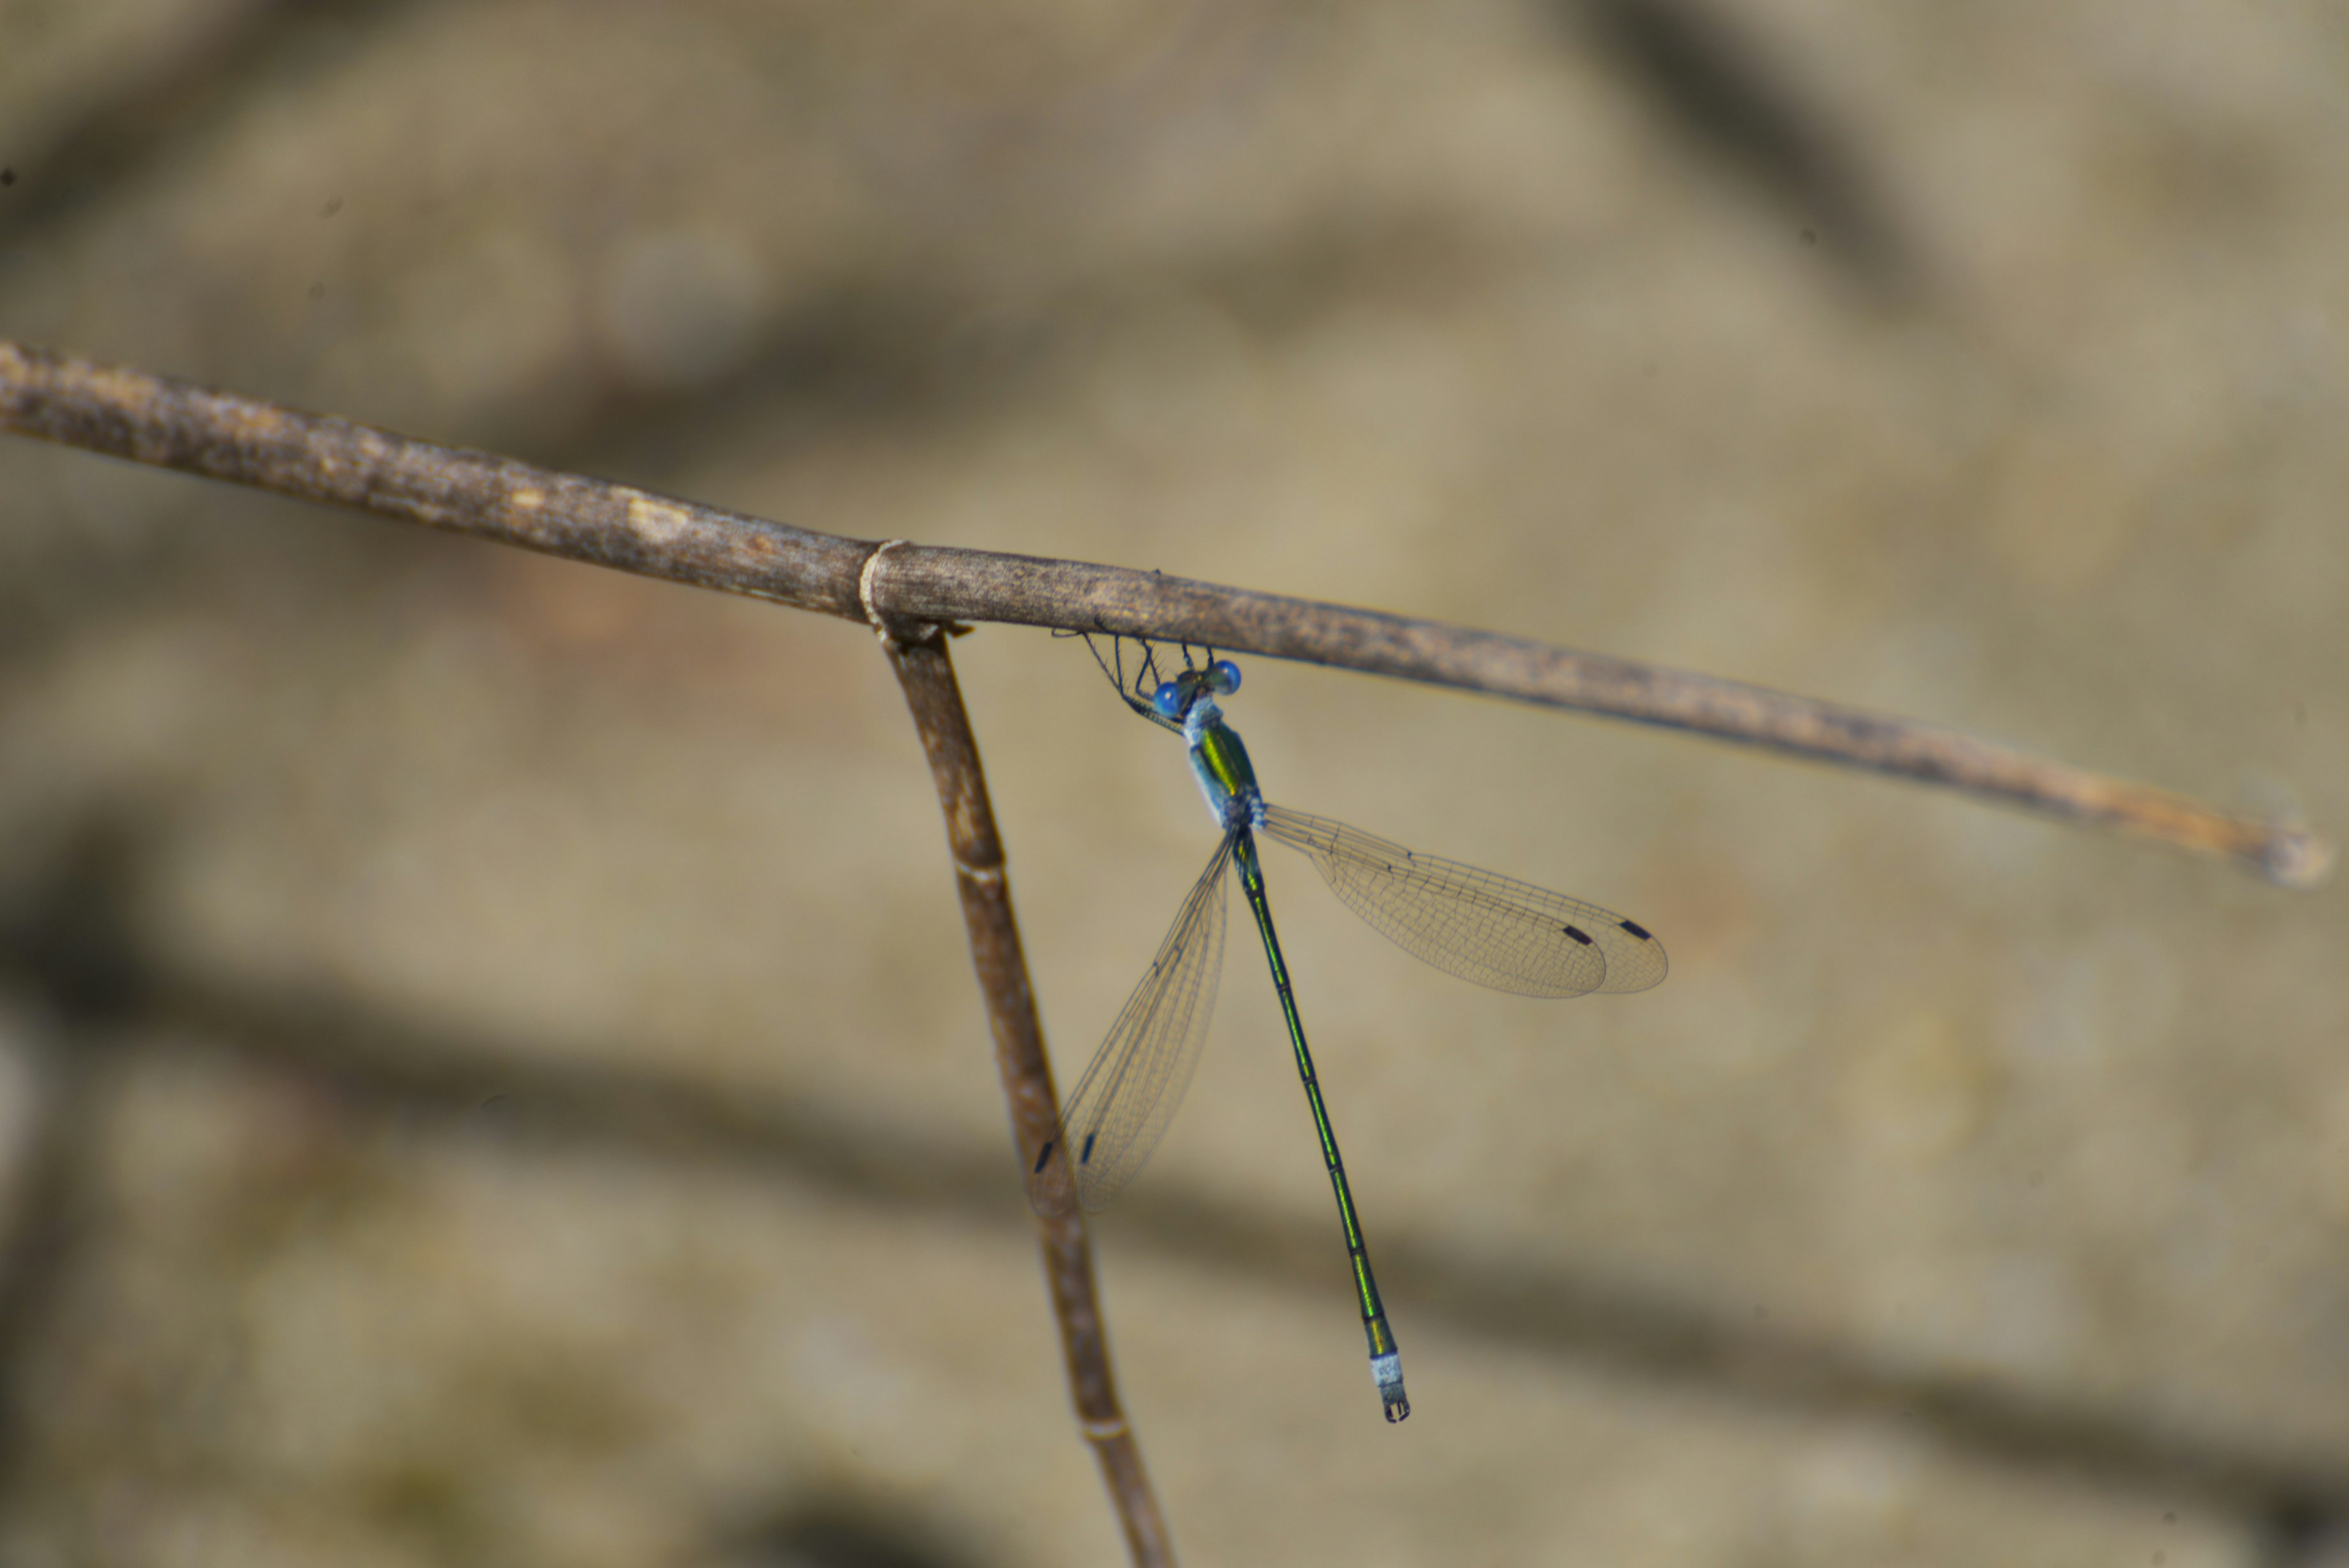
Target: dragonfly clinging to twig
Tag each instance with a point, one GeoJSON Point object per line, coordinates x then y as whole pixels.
{"type": "Point", "coordinates": [1497, 931]}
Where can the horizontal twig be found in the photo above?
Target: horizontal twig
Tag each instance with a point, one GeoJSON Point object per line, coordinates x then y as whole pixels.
{"type": "Point", "coordinates": [154, 419]}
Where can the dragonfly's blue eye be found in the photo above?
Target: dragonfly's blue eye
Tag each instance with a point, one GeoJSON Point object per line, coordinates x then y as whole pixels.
{"type": "Point", "coordinates": [1168, 699]}
{"type": "Point", "coordinates": [1222, 677]}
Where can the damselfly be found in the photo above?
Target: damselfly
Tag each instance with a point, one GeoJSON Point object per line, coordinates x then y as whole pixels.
{"type": "Point", "coordinates": [1494, 931]}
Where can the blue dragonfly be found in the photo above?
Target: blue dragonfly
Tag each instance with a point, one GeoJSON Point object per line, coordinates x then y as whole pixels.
{"type": "Point", "coordinates": [1494, 931]}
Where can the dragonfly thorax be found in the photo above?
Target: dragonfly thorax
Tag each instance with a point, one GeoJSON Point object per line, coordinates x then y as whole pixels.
{"type": "Point", "coordinates": [1220, 763]}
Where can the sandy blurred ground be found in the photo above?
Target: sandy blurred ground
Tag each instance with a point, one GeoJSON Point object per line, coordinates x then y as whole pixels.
{"type": "Point", "coordinates": [491, 1073]}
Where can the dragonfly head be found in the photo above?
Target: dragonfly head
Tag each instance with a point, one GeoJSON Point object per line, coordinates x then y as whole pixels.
{"type": "Point", "coordinates": [1175, 698]}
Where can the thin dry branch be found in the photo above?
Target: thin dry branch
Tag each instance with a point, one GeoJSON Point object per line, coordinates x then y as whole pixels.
{"type": "Point", "coordinates": [173, 424]}
{"type": "Point", "coordinates": [918, 655]}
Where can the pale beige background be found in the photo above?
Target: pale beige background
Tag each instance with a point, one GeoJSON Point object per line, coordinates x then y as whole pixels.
{"type": "Point", "coordinates": [493, 1075]}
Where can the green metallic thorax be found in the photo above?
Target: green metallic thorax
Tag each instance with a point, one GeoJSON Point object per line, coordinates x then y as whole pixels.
{"type": "Point", "coordinates": [1221, 764]}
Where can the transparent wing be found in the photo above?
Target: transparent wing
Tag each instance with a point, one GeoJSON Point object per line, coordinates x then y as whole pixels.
{"type": "Point", "coordinates": [1121, 1105]}
{"type": "Point", "coordinates": [1494, 931]}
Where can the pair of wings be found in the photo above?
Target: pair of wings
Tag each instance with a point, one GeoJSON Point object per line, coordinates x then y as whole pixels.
{"type": "Point", "coordinates": [1494, 931]}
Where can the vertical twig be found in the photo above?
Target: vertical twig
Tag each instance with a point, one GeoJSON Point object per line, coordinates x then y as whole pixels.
{"type": "Point", "coordinates": [917, 652]}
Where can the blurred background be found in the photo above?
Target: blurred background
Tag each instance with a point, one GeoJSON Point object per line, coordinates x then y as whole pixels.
{"type": "Point", "coordinates": [489, 1067]}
